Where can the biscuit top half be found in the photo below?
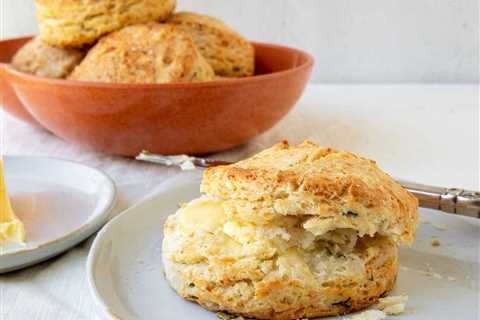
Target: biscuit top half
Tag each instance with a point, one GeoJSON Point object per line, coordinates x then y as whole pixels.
{"type": "Point", "coordinates": [332, 189]}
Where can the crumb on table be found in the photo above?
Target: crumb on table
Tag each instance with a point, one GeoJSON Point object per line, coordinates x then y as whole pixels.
{"type": "Point", "coordinates": [435, 243]}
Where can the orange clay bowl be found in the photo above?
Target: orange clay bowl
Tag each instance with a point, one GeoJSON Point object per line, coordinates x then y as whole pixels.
{"type": "Point", "coordinates": [192, 118]}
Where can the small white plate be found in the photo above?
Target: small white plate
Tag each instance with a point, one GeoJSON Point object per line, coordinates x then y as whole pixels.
{"type": "Point", "coordinates": [60, 202]}
{"type": "Point", "coordinates": [126, 278]}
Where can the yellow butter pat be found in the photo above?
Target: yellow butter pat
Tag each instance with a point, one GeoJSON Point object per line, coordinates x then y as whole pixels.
{"type": "Point", "coordinates": [11, 228]}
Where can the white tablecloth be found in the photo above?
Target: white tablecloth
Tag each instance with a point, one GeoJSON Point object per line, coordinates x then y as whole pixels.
{"type": "Point", "coordinates": [425, 133]}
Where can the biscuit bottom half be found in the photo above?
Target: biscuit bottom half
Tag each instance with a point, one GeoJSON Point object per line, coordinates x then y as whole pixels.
{"type": "Point", "coordinates": [273, 271]}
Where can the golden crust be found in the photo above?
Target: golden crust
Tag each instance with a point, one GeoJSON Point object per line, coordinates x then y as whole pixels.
{"type": "Point", "coordinates": [41, 59]}
{"type": "Point", "coordinates": [77, 23]}
{"type": "Point", "coordinates": [144, 53]}
{"type": "Point", "coordinates": [257, 272]}
{"type": "Point", "coordinates": [342, 188]}
{"type": "Point", "coordinates": [310, 303]}
{"type": "Point", "coordinates": [228, 52]}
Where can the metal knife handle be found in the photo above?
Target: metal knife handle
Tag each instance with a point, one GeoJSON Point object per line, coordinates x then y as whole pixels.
{"type": "Point", "coordinates": [451, 200]}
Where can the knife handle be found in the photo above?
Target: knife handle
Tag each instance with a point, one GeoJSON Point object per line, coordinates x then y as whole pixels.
{"type": "Point", "coordinates": [451, 200]}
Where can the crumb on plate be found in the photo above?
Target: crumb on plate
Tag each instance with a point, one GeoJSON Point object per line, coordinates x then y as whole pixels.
{"type": "Point", "coordinates": [440, 226]}
{"type": "Point", "coordinates": [369, 315]}
{"type": "Point", "coordinates": [393, 305]}
{"type": "Point", "coordinates": [424, 221]}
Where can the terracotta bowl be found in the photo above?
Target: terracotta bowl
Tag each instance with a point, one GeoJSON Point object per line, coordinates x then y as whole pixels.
{"type": "Point", "coordinates": [9, 99]}
{"type": "Point", "coordinates": [191, 118]}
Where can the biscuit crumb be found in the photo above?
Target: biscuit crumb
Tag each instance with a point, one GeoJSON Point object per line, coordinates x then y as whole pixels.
{"type": "Point", "coordinates": [369, 315]}
{"type": "Point", "coordinates": [394, 305]}
{"type": "Point", "coordinates": [437, 275]}
{"type": "Point", "coordinates": [188, 166]}
{"type": "Point", "coordinates": [440, 226]}
{"type": "Point", "coordinates": [435, 243]}
{"type": "Point", "coordinates": [424, 221]}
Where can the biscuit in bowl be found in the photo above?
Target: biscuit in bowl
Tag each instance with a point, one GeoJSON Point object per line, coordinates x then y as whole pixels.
{"type": "Point", "coordinates": [265, 263]}
{"type": "Point", "coordinates": [230, 54]}
{"type": "Point", "coordinates": [41, 59]}
{"type": "Point", "coordinates": [144, 53]}
{"type": "Point", "coordinates": [75, 23]}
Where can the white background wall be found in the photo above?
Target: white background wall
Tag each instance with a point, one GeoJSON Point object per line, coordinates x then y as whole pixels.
{"type": "Point", "coordinates": [352, 40]}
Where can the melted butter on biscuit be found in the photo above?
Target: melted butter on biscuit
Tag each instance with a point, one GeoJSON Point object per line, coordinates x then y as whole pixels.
{"type": "Point", "coordinates": [204, 213]}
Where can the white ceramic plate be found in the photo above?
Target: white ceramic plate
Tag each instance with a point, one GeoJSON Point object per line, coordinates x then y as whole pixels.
{"type": "Point", "coordinates": [126, 277]}
{"type": "Point", "coordinates": [61, 204]}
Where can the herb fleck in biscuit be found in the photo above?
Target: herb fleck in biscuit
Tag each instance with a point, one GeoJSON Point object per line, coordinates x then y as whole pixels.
{"type": "Point", "coordinates": [80, 22]}
{"type": "Point", "coordinates": [41, 59]}
{"type": "Point", "coordinates": [228, 52]}
{"type": "Point", "coordinates": [144, 53]}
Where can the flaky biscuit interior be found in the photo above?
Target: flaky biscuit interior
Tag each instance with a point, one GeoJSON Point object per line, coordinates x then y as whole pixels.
{"type": "Point", "coordinates": [282, 269]}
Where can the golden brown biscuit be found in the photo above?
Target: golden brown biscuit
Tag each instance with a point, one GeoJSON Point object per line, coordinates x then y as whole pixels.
{"type": "Point", "coordinates": [337, 189]}
{"type": "Point", "coordinates": [274, 271]}
{"type": "Point", "coordinates": [77, 23]}
{"type": "Point", "coordinates": [41, 59]}
{"type": "Point", "coordinates": [228, 52]}
{"type": "Point", "coordinates": [291, 233]}
{"type": "Point", "coordinates": [144, 53]}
